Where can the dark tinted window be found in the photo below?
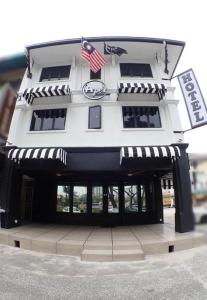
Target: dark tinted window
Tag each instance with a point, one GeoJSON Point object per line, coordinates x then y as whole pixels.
{"type": "Point", "coordinates": [48, 119]}
{"type": "Point", "coordinates": [94, 121]}
{"type": "Point", "coordinates": [141, 117]}
{"type": "Point", "coordinates": [96, 75]}
{"type": "Point", "coordinates": [55, 73]}
{"type": "Point", "coordinates": [135, 70]}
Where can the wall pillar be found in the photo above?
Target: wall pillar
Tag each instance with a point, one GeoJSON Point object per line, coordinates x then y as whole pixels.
{"type": "Point", "coordinates": [10, 191]}
{"type": "Point", "coordinates": [184, 219]}
{"type": "Point", "coordinates": [158, 200]}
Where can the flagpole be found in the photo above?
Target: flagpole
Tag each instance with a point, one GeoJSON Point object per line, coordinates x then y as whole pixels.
{"type": "Point", "coordinates": [188, 130]}
{"type": "Point", "coordinates": [175, 76]}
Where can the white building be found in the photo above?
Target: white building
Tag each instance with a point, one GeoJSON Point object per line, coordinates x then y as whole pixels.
{"type": "Point", "coordinates": [72, 159]}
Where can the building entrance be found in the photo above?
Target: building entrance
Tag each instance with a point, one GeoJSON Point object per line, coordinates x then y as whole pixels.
{"type": "Point", "coordinates": [106, 204]}
{"type": "Point", "coordinates": [27, 193]}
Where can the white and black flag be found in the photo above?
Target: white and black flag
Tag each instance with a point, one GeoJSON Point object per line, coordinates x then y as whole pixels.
{"type": "Point", "coordinates": [194, 100]}
{"type": "Point", "coordinates": [113, 50]}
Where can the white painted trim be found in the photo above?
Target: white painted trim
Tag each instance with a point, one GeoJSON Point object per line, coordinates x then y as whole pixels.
{"type": "Point", "coordinates": [143, 129]}
{"type": "Point", "coordinates": [94, 130]}
{"type": "Point", "coordinates": [51, 81]}
{"type": "Point", "coordinates": [46, 131]}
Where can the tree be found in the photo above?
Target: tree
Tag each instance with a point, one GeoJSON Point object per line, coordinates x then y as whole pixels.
{"type": "Point", "coordinates": [111, 192]}
{"type": "Point", "coordinates": [131, 194]}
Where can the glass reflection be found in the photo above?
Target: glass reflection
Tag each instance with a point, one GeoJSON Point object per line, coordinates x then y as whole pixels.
{"type": "Point", "coordinates": [131, 198]}
{"type": "Point", "coordinates": [97, 199]}
{"type": "Point", "coordinates": [143, 198]}
{"type": "Point", "coordinates": [63, 199]}
{"type": "Point", "coordinates": [79, 199]}
{"type": "Point", "coordinates": [113, 199]}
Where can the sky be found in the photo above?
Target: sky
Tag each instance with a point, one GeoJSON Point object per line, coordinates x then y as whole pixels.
{"type": "Point", "coordinates": [29, 22]}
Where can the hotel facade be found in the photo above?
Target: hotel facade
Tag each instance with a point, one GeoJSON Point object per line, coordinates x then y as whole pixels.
{"type": "Point", "coordinates": [97, 148]}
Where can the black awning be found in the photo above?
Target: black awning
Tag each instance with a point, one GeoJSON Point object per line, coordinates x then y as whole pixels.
{"type": "Point", "coordinates": [142, 88]}
{"type": "Point", "coordinates": [45, 91]}
{"type": "Point", "coordinates": [149, 152]}
{"type": "Point", "coordinates": [19, 154]}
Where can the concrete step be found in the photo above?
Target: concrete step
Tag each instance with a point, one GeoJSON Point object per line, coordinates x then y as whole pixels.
{"type": "Point", "coordinates": [96, 255]}
{"type": "Point", "coordinates": [98, 245]}
{"type": "Point", "coordinates": [128, 255]}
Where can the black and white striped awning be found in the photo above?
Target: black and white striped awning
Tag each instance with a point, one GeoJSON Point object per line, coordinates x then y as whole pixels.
{"type": "Point", "coordinates": [19, 154]}
{"type": "Point", "coordinates": [145, 88]}
{"type": "Point", "coordinates": [46, 91]}
{"type": "Point", "coordinates": [150, 152]}
{"type": "Point", "coordinates": [167, 184]}
{"type": "Point", "coordinates": [167, 181]}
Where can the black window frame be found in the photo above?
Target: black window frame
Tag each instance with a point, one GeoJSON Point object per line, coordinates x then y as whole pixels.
{"type": "Point", "coordinates": [142, 70]}
{"type": "Point", "coordinates": [46, 73]}
{"type": "Point", "coordinates": [135, 117]}
{"type": "Point", "coordinates": [51, 114]}
{"type": "Point", "coordinates": [95, 76]}
{"type": "Point", "coordinates": [89, 117]}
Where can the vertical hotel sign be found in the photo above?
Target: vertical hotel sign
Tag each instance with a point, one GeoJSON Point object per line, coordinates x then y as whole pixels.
{"type": "Point", "coordinates": [193, 98]}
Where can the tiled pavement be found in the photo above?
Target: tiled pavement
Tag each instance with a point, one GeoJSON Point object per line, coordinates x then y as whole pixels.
{"type": "Point", "coordinates": [101, 244]}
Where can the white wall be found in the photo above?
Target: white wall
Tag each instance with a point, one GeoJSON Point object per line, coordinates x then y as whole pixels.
{"type": "Point", "coordinates": [112, 133]}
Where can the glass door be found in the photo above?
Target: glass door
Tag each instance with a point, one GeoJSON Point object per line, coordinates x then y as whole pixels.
{"type": "Point", "coordinates": [113, 199]}
{"type": "Point", "coordinates": [97, 199]}
{"type": "Point", "coordinates": [131, 198]}
{"type": "Point", "coordinates": [105, 199]}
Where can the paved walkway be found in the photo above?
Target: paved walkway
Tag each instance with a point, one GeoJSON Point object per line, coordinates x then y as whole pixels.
{"type": "Point", "coordinates": [101, 244]}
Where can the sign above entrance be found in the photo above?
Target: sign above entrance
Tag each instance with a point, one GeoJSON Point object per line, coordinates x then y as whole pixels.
{"type": "Point", "coordinates": [94, 89]}
{"type": "Point", "coordinates": [193, 98]}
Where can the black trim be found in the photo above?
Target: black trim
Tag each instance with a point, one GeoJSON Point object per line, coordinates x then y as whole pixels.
{"type": "Point", "coordinates": [177, 61]}
{"type": "Point", "coordinates": [108, 39]}
{"type": "Point", "coordinates": [29, 74]}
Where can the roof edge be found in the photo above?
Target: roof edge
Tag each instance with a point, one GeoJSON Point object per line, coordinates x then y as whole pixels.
{"type": "Point", "coordinates": [108, 39]}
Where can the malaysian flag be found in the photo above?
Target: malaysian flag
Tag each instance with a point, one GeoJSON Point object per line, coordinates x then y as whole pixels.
{"type": "Point", "coordinates": [95, 59]}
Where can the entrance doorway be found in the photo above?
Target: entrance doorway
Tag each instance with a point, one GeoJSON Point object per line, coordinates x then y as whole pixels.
{"type": "Point", "coordinates": [106, 204]}
{"type": "Point", "coordinates": [27, 193]}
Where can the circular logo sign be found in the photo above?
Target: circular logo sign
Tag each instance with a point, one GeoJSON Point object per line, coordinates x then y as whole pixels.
{"type": "Point", "coordinates": [94, 89]}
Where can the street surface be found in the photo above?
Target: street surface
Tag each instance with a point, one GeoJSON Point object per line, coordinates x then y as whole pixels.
{"type": "Point", "coordinates": [29, 275]}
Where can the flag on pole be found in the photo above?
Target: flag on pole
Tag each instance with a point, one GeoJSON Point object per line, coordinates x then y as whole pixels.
{"type": "Point", "coordinates": [113, 50]}
{"type": "Point", "coordinates": [93, 57]}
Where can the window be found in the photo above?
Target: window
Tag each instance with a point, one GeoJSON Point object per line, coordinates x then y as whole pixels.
{"type": "Point", "coordinates": [131, 198]}
{"type": "Point", "coordinates": [113, 199]}
{"type": "Point", "coordinates": [63, 198]}
{"type": "Point", "coordinates": [96, 75]}
{"type": "Point", "coordinates": [48, 119]}
{"type": "Point", "coordinates": [143, 199]}
{"type": "Point", "coordinates": [55, 73]}
{"type": "Point", "coordinates": [135, 70]}
{"type": "Point", "coordinates": [94, 119]}
{"type": "Point", "coordinates": [79, 199]}
{"type": "Point", "coordinates": [141, 117]}
{"type": "Point", "coordinates": [97, 199]}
